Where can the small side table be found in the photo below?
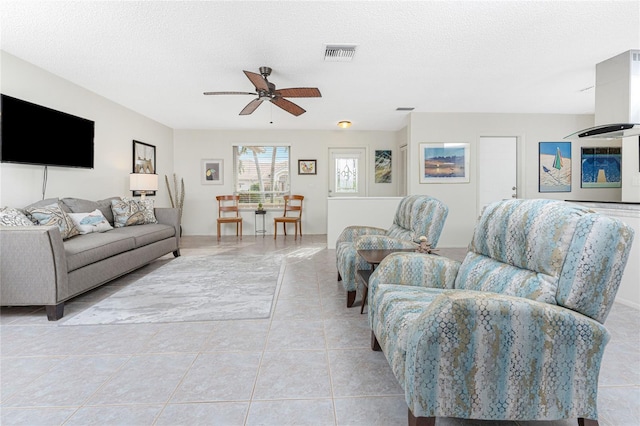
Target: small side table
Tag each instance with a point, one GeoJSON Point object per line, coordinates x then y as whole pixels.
{"type": "Point", "coordinates": [263, 230]}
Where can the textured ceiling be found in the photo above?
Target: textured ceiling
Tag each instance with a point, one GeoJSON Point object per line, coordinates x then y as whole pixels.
{"type": "Point", "coordinates": [157, 57]}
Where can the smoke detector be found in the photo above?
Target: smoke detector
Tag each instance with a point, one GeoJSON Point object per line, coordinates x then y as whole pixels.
{"type": "Point", "coordinates": [339, 52]}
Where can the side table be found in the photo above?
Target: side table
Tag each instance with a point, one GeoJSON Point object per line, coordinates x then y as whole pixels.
{"type": "Point", "coordinates": [263, 230]}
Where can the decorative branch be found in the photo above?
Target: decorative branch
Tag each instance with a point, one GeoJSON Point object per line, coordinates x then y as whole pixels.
{"type": "Point", "coordinates": [179, 194]}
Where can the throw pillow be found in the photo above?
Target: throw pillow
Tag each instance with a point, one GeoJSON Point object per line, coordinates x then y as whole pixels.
{"type": "Point", "coordinates": [127, 213]}
{"type": "Point", "coordinates": [53, 215]}
{"type": "Point", "coordinates": [147, 205]}
{"type": "Point", "coordinates": [90, 222]}
{"type": "Point", "coordinates": [13, 217]}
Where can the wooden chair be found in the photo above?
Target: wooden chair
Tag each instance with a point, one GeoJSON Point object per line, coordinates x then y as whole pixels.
{"type": "Point", "coordinates": [292, 203]}
{"type": "Point", "coordinates": [229, 204]}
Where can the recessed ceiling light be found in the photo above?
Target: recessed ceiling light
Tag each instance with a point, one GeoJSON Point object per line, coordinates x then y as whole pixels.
{"type": "Point", "coordinates": [405, 109]}
{"type": "Point", "coordinates": [344, 124]}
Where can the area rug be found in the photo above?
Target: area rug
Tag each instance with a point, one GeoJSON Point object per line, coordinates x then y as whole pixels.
{"type": "Point", "coordinates": [192, 288]}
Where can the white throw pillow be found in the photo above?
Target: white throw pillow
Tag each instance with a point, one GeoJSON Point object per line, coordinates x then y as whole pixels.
{"type": "Point", "coordinates": [90, 222]}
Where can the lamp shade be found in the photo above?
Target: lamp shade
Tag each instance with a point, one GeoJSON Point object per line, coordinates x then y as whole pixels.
{"type": "Point", "coordinates": [143, 182]}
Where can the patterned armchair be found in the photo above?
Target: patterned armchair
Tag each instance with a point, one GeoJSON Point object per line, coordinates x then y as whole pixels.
{"type": "Point", "coordinates": [515, 331]}
{"type": "Point", "coordinates": [416, 215]}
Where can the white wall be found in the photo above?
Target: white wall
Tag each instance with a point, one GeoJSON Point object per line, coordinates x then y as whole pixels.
{"type": "Point", "coordinates": [631, 170]}
{"type": "Point", "coordinates": [115, 129]}
{"type": "Point", "coordinates": [200, 209]}
{"type": "Point", "coordinates": [529, 128]}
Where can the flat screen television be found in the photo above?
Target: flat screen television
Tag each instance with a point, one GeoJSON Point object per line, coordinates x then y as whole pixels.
{"type": "Point", "coordinates": [34, 134]}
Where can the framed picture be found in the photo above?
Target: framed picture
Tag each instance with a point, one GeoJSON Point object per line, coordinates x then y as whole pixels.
{"type": "Point", "coordinates": [383, 166]}
{"type": "Point", "coordinates": [212, 172]}
{"type": "Point", "coordinates": [600, 167]}
{"type": "Point", "coordinates": [144, 161]}
{"type": "Point", "coordinates": [444, 162]}
{"type": "Point", "coordinates": [307, 167]}
{"type": "Point", "coordinates": [554, 159]}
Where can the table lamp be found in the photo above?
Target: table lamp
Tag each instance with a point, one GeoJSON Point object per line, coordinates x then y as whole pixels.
{"type": "Point", "coordinates": [143, 182]}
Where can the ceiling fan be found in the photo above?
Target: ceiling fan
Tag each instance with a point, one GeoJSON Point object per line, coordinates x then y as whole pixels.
{"type": "Point", "coordinates": [266, 91]}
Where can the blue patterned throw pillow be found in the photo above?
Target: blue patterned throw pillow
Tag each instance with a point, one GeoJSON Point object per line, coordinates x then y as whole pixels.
{"type": "Point", "coordinates": [53, 215]}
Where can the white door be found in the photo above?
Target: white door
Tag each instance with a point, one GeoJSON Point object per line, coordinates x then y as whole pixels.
{"type": "Point", "coordinates": [497, 169]}
{"type": "Point", "coordinates": [347, 172]}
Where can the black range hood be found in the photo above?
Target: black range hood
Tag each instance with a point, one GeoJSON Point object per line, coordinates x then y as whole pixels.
{"type": "Point", "coordinates": [608, 131]}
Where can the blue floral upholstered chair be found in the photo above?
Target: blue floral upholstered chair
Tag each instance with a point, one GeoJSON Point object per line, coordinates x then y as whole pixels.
{"type": "Point", "coordinates": [515, 331]}
{"type": "Point", "coordinates": [416, 216]}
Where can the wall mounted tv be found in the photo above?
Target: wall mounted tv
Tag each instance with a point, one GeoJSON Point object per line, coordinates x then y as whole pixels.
{"type": "Point", "coordinates": [34, 134]}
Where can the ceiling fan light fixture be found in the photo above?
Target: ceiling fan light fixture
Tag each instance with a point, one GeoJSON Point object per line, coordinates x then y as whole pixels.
{"type": "Point", "coordinates": [344, 124]}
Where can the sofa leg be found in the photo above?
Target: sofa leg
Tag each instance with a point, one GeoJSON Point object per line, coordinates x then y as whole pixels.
{"type": "Point", "coordinates": [421, 421]}
{"type": "Point", "coordinates": [55, 312]}
{"type": "Point", "coordinates": [351, 297]}
{"type": "Point", "coordinates": [587, 422]}
{"type": "Point", "coordinates": [375, 345]}
{"type": "Point", "coordinates": [176, 253]}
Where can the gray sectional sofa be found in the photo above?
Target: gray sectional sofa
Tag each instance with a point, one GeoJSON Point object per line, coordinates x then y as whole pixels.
{"type": "Point", "coordinates": [38, 267]}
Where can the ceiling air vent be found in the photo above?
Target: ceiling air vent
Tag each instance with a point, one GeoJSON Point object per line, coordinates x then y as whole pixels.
{"type": "Point", "coordinates": [405, 109]}
{"type": "Point", "coordinates": [339, 52]}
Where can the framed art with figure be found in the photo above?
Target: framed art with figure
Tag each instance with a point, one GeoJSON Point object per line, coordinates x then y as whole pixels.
{"type": "Point", "coordinates": [144, 161]}
{"type": "Point", "coordinates": [307, 167]}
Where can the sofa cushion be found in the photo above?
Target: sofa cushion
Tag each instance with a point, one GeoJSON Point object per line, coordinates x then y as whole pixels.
{"type": "Point", "coordinates": [53, 215]}
{"type": "Point", "coordinates": [90, 222]}
{"type": "Point", "coordinates": [78, 205]}
{"type": "Point", "coordinates": [90, 248]}
{"type": "Point", "coordinates": [482, 273]}
{"type": "Point", "coordinates": [147, 234]}
{"type": "Point", "coordinates": [46, 202]}
{"type": "Point", "coordinates": [13, 217]}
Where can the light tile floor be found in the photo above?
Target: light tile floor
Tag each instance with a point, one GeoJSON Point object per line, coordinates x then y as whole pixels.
{"type": "Point", "coordinates": [309, 364]}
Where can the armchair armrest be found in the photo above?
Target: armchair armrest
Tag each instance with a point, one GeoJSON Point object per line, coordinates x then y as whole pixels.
{"type": "Point", "coordinates": [351, 233]}
{"type": "Point", "coordinates": [380, 242]}
{"type": "Point", "coordinates": [33, 266]}
{"type": "Point", "coordinates": [171, 217]}
{"type": "Point", "coordinates": [415, 269]}
{"type": "Point", "coordinates": [542, 361]}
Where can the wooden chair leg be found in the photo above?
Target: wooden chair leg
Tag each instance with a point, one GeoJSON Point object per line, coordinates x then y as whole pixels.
{"type": "Point", "coordinates": [351, 297]}
{"type": "Point", "coordinates": [375, 345]}
{"type": "Point", "coordinates": [421, 421]}
{"type": "Point", "coordinates": [587, 422]}
{"type": "Point", "coordinates": [240, 230]}
{"type": "Point", "coordinates": [218, 231]}
{"type": "Point", "coordinates": [275, 229]}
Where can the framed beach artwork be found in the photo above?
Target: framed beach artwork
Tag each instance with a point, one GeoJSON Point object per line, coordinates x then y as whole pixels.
{"type": "Point", "coordinates": [554, 160]}
{"type": "Point", "coordinates": [383, 166]}
{"type": "Point", "coordinates": [143, 161]}
{"type": "Point", "coordinates": [600, 167]}
{"type": "Point", "coordinates": [444, 162]}
{"type": "Point", "coordinates": [212, 172]}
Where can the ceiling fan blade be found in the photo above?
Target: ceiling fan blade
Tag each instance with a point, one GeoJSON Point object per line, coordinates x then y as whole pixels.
{"type": "Point", "coordinates": [299, 92]}
{"type": "Point", "coordinates": [257, 80]}
{"type": "Point", "coordinates": [229, 93]}
{"type": "Point", "coordinates": [251, 106]}
{"type": "Point", "coordinates": [288, 106]}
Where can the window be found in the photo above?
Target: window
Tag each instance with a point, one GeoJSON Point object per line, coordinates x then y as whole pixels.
{"type": "Point", "coordinates": [261, 174]}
